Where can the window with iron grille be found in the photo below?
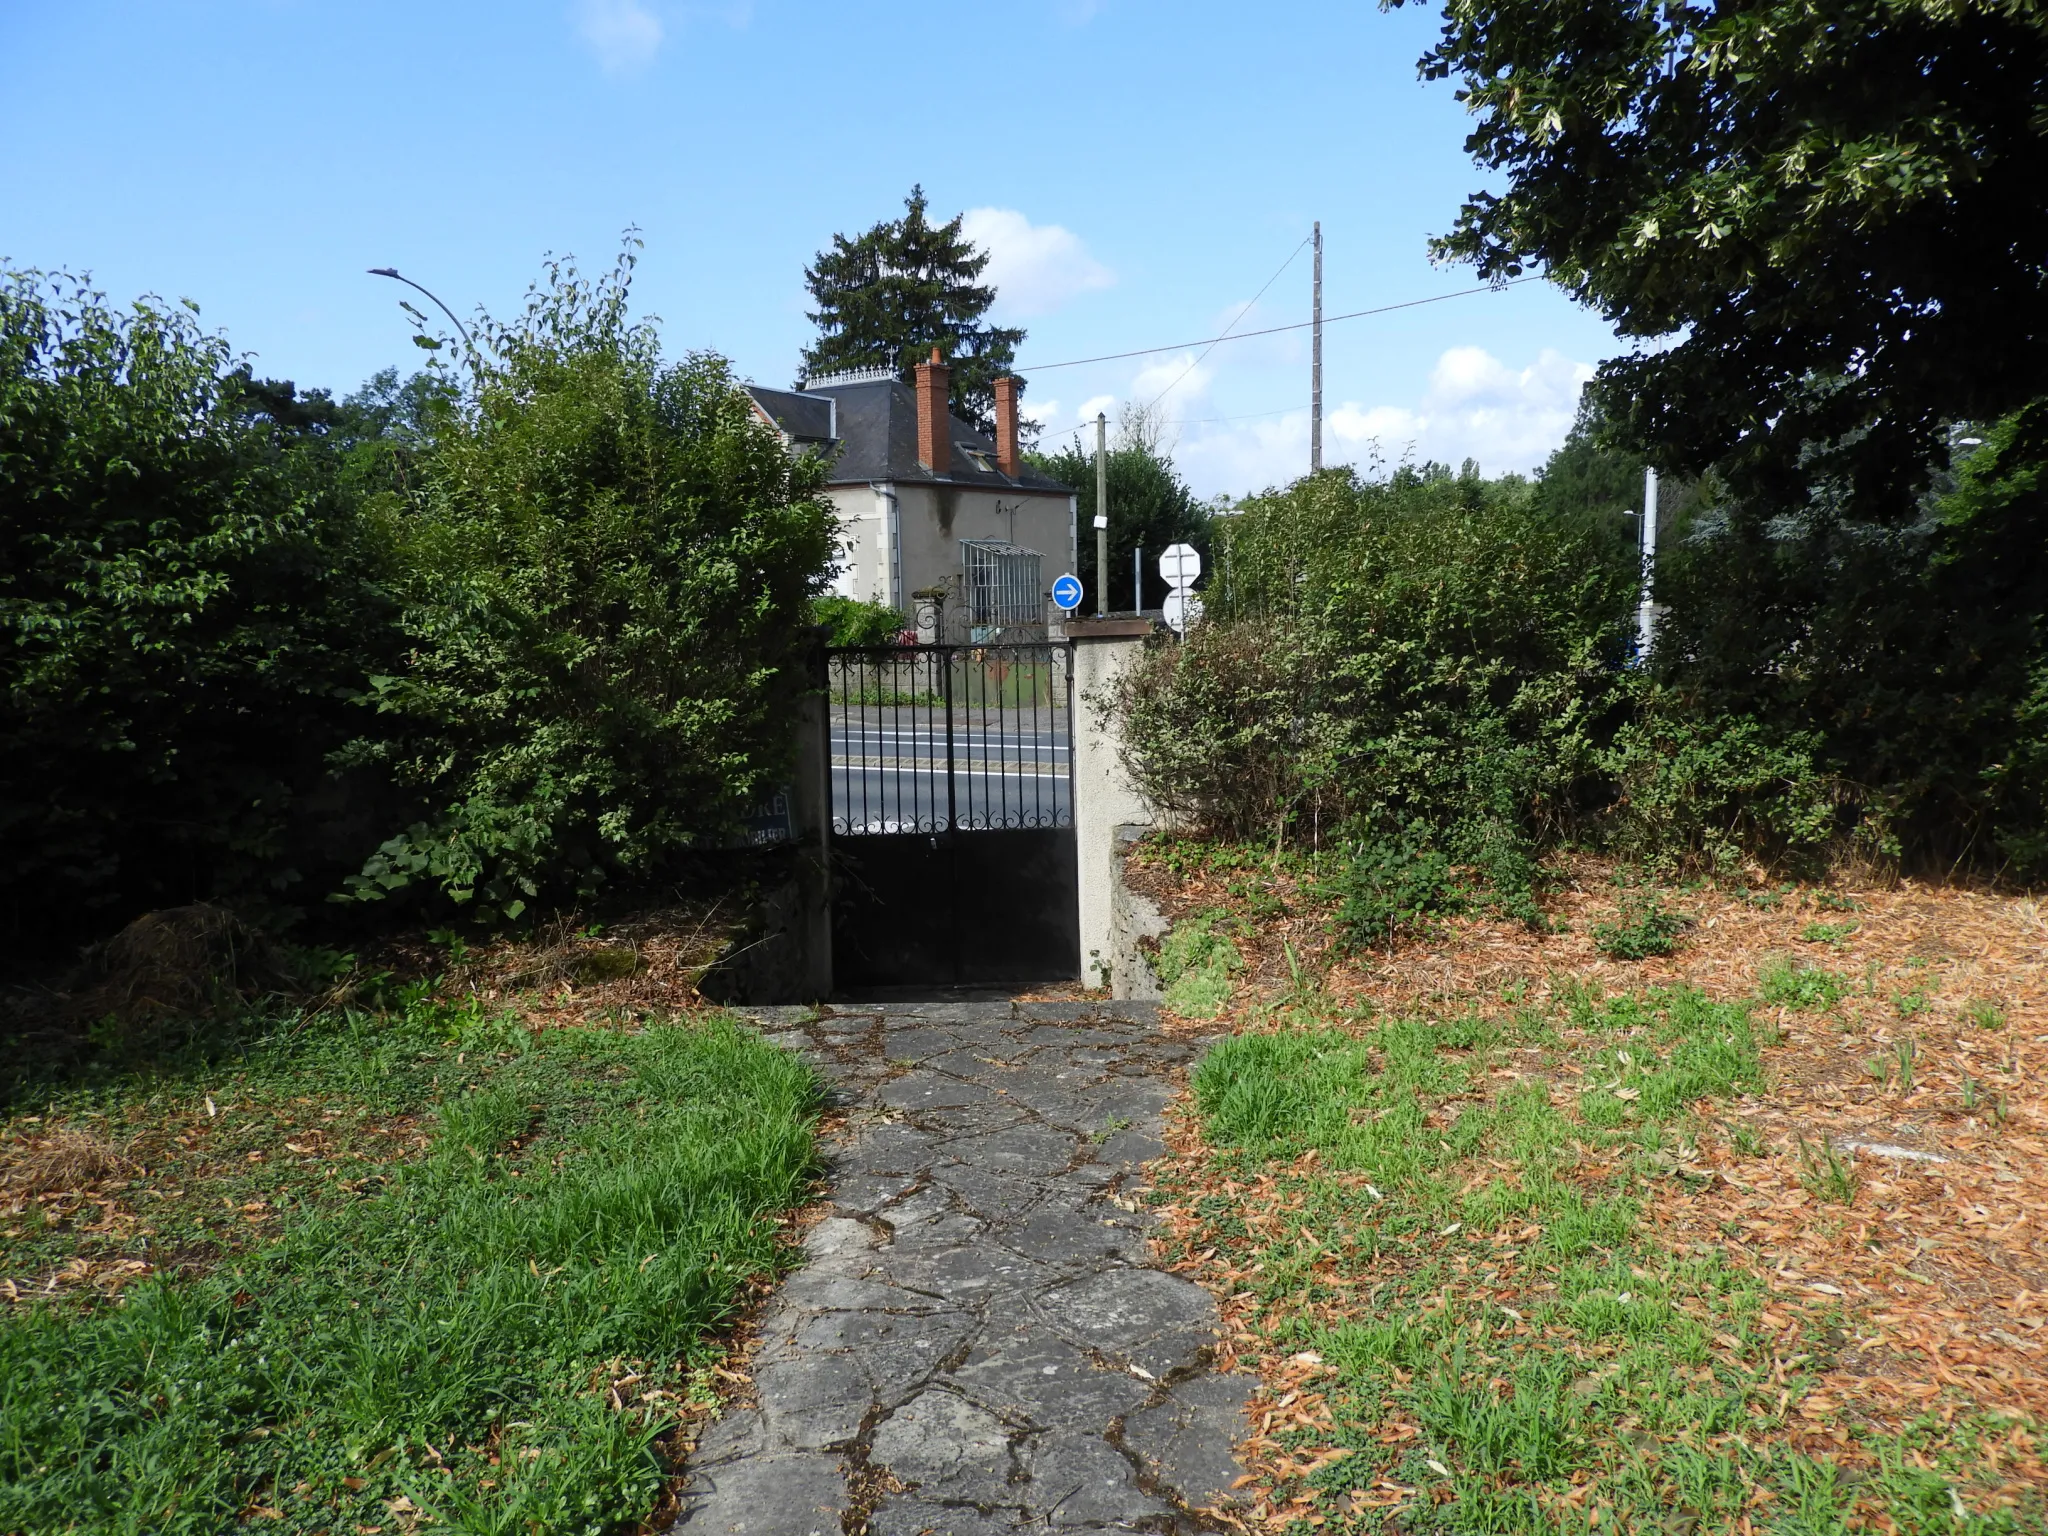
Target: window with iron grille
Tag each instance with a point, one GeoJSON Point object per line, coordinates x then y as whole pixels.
{"type": "Point", "coordinates": [1002, 584]}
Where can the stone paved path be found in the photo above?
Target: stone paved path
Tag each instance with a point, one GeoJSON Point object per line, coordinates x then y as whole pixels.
{"type": "Point", "coordinates": [975, 1343]}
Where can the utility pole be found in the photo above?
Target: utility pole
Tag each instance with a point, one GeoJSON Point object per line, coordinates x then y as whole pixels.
{"type": "Point", "coordinates": [1101, 514]}
{"type": "Point", "coordinates": [1315, 366]}
{"type": "Point", "coordinates": [1646, 613]}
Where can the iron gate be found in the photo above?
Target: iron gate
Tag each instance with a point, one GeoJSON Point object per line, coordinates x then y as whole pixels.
{"type": "Point", "coordinates": [953, 815]}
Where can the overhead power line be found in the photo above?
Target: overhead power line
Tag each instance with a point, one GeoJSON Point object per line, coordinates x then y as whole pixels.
{"type": "Point", "coordinates": [1274, 330]}
{"type": "Point", "coordinates": [1211, 347]}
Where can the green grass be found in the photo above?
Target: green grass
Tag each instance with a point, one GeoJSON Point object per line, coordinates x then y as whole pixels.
{"type": "Point", "coordinates": [1505, 1342]}
{"type": "Point", "coordinates": [1984, 1014]}
{"type": "Point", "coordinates": [1836, 934]}
{"type": "Point", "coordinates": [480, 1233]}
{"type": "Point", "coordinates": [1794, 984]}
{"type": "Point", "coordinates": [1195, 964]}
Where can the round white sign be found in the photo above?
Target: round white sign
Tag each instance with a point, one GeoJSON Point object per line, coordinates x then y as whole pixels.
{"type": "Point", "coordinates": [1181, 609]}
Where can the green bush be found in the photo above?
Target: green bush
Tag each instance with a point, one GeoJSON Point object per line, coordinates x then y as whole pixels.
{"type": "Point", "coordinates": [189, 598]}
{"type": "Point", "coordinates": [1391, 886]}
{"type": "Point", "coordinates": [1901, 650]}
{"type": "Point", "coordinates": [1718, 791]}
{"type": "Point", "coordinates": [849, 621]}
{"type": "Point", "coordinates": [606, 567]}
{"type": "Point", "coordinates": [1225, 729]}
{"type": "Point", "coordinates": [1426, 650]}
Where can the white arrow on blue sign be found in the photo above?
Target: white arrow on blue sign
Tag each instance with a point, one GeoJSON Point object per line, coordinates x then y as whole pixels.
{"type": "Point", "coordinates": [1066, 592]}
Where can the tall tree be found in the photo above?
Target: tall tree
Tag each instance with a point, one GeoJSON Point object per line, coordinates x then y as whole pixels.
{"type": "Point", "coordinates": [1150, 505]}
{"type": "Point", "coordinates": [1833, 215]}
{"type": "Point", "coordinates": [887, 296]}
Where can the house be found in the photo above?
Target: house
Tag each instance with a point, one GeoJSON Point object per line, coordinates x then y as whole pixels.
{"type": "Point", "coordinates": [938, 522]}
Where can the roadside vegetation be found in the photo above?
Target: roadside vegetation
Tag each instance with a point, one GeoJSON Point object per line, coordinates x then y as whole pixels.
{"type": "Point", "coordinates": [1523, 1230]}
{"type": "Point", "coordinates": [421, 1259]}
{"type": "Point", "coordinates": [515, 633]}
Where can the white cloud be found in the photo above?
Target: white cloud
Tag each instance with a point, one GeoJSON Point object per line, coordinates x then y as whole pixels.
{"type": "Point", "coordinates": [1177, 385]}
{"type": "Point", "coordinates": [1474, 406]}
{"type": "Point", "coordinates": [624, 34]}
{"type": "Point", "coordinates": [1035, 268]}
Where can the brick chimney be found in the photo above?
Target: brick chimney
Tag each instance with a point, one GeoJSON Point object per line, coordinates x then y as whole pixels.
{"type": "Point", "coordinates": [934, 422]}
{"type": "Point", "coordinates": [1008, 459]}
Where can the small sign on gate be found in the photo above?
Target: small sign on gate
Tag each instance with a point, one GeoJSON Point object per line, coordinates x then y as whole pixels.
{"type": "Point", "coordinates": [1066, 593]}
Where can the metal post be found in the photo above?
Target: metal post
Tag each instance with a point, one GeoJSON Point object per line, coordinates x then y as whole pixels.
{"type": "Point", "coordinates": [1646, 614]}
{"type": "Point", "coordinates": [1315, 367]}
{"type": "Point", "coordinates": [1137, 578]}
{"type": "Point", "coordinates": [1101, 514]}
{"type": "Point", "coordinates": [946, 694]}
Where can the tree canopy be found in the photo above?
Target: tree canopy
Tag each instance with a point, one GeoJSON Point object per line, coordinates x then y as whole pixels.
{"type": "Point", "coordinates": [889, 295]}
{"type": "Point", "coordinates": [1829, 218]}
{"type": "Point", "coordinates": [531, 625]}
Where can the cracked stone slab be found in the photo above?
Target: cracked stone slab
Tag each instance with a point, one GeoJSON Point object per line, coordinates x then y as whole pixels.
{"type": "Point", "coordinates": [975, 1331]}
{"type": "Point", "coordinates": [1157, 1321]}
{"type": "Point", "coordinates": [1185, 1437]}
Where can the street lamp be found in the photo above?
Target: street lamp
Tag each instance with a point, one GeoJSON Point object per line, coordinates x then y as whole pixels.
{"type": "Point", "coordinates": [396, 276]}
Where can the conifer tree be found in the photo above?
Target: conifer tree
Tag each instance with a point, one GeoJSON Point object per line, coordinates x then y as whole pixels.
{"type": "Point", "coordinates": [887, 296]}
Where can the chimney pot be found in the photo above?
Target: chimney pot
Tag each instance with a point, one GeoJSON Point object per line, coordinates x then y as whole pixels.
{"type": "Point", "coordinates": [1008, 457]}
{"type": "Point", "coordinates": [934, 420]}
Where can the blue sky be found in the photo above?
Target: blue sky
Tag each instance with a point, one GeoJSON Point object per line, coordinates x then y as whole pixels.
{"type": "Point", "coordinates": [1138, 171]}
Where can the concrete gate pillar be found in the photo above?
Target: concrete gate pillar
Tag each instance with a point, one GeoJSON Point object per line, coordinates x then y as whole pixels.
{"type": "Point", "coordinates": [1104, 797]}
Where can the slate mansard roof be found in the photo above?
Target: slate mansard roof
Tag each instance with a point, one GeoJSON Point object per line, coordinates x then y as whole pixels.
{"type": "Point", "coordinates": [868, 430]}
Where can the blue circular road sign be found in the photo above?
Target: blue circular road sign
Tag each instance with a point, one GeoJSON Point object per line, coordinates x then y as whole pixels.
{"type": "Point", "coordinates": [1066, 592]}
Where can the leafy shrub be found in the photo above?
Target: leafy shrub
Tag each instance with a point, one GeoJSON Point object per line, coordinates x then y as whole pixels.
{"type": "Point", "coordinates": [1424, 650]}
{"type": "Point", "coordinates": [1716, 790]}
{"type": "Point", "coordinates": [1223, 728]}
{"type": "Point", "coordinates": [1644, 927]}
{"type": "Point", "coordinates": [1833, 677]}
{"type": "Point", "coordinates": [1195, 964]}
{"type": "Point", "coordinates": [849, 621]}
{"type": "Point", "coordinates": [188, 597]}
{"type": "Point", "coordinates": [606, 565]}
{"type": "Point", "coordinates": [1391, 886]}
{"type": "Point", "coordinates": [1899, 641]}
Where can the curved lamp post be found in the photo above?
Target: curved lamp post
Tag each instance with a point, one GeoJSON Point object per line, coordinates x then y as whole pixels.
{"type": "Point", "coordinates": [395, 275]}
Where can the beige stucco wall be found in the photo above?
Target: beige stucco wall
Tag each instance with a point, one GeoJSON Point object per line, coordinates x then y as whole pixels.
{"type": "Point", "coordinates": [1104, 797]}
{"type": "Point", "coordinates": [931, 521]}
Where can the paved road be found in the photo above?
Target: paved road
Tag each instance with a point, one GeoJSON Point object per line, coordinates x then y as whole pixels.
{"type": "Point", "coordinates": [890, 775]}
{"type": "Point", "coordinates": [976, 1342]}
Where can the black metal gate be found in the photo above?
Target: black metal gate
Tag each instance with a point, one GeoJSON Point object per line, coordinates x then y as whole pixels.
{"type": "Point", "coordinates": [953, 815]}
